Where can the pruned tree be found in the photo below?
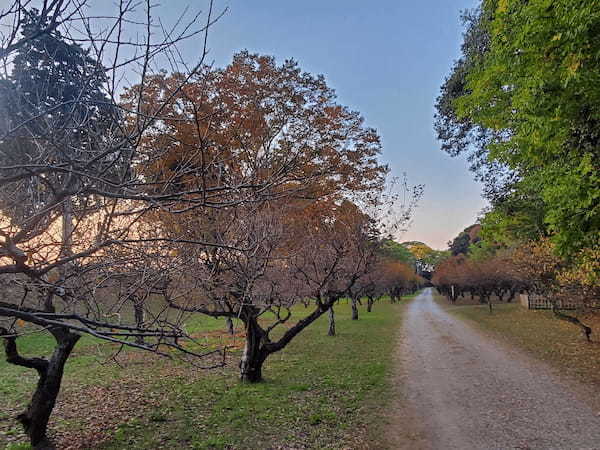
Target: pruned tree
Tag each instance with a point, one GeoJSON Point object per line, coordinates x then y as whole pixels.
{"type": "Point", "coordinates": [277, 134]}
{"type": "Point", "coordinates": [340, 249]}
{"type": "Point", "coordinates": [263, 267]}
{"type": "Point", "coordinates": [491, 277]}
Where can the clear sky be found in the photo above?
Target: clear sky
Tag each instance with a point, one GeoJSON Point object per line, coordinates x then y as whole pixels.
{"type": "Point", "coordinates": [386, 59]}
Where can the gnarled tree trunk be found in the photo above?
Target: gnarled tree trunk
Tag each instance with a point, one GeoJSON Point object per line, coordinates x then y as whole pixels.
{"type": "Point", "coordinates": [512, 293]}
{"type": "Point", "coordinates": [369, 304]}
{"type": "Point", "coordinates": [253, 356]}
{"type": "Point", "coordinates": [35, 418]}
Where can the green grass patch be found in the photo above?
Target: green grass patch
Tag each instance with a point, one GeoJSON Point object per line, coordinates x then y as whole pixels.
{"type": "Point", "coordinates": [320, 392]}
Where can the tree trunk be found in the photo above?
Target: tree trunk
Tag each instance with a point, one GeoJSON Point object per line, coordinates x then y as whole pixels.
{"type": "Point", "coordinates": [138, 312]}
{"type": "Point", "coordinates": [67, 228]}
{"type": "Point", "coordinates": [67, 237]}
{"type": "Point", "coordinates": [587, 331]}
{"type": "Point", "coordinates": [369, 304]}
{"type": "Point", "coordinates": [35, 418]}
{"type": "Point", "coordinates": [253, 357]}
{"type": "Point", "coordinates": [482, 298]}
{"type": "Point", "coordinates": [512, 293]}
{"type": "Point", "coordinates": [229, 325]}
{"type": "Point", "coordinates": [354, 309]}
{"type": "Point", "coordinates": [331, 331]}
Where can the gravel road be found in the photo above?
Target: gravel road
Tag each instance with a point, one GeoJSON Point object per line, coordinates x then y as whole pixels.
{"type": "Point", "coordinates": [468, 391]}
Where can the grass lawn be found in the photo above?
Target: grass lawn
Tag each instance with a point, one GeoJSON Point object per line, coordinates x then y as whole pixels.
{"type": "Point", "coordinates": [541, 334]}
{"type": "Point", "coordinates": [320, 392]}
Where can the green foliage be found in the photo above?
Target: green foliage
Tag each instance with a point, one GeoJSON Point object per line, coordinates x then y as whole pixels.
{"type": "Point", "coordinates": [19, 447]}
{"type": "Point", "coordinates": [482, 250]}
{"type": "Point", "coordinates": [538, 88]}
{"type": "Point", "coordinates": [397, 252]}
{"type": "Point", "coordinates": [418, 255]}
{"type": "Point", "coordinates": [526, 96]}
{"type": "Point", "coordinates": [436, 256]}
{"type": "Point", "coordinates": [462, 243]}
{"type": "Point", "coordinates": [520, 217]}
{"type": "Point", "coordinates": [418, 249]}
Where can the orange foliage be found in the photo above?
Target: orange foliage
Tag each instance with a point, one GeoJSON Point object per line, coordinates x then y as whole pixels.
{"type": "Point", "coordinates": [254, 129]}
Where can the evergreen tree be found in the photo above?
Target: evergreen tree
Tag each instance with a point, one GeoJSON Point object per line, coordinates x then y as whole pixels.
{"type": "Point", "coordinates": [56, 120]}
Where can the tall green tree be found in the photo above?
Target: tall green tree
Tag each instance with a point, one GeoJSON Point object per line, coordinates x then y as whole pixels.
{"type": "Point", "coordinates": [534, 92]}
{"type": "Point", "coordinates": [397, 252]}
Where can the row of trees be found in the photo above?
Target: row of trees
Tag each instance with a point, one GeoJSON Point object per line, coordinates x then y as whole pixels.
{"type": "Point", "coordinates": [138, 188]}
{"type": "Point", "coordinates": [496, 276]}
{"type": "Point", "coordinates": [533, 267]}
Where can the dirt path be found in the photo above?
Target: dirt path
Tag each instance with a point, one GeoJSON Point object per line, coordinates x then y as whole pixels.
{"type": "Point", "coordinates": [467, 391]}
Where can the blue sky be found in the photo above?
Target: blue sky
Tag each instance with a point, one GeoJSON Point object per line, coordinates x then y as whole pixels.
{"type": "Point", "coordinates": [384, 58]}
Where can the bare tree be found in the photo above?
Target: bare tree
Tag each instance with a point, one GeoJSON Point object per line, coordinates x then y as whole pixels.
{"type": "Point", "coordinates": [265, 268]}
{"type": "Point", "coordinates": [71, 189]}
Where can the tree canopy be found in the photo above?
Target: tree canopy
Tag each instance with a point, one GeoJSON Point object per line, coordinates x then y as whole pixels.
{"type": "Point", "coordinates": [523, 100]}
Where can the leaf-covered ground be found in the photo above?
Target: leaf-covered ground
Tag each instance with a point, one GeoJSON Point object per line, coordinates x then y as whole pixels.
{"type": "Point", "coordinates": [540, 333]}
{"type": "Point", "coordinates": [320, 392]}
